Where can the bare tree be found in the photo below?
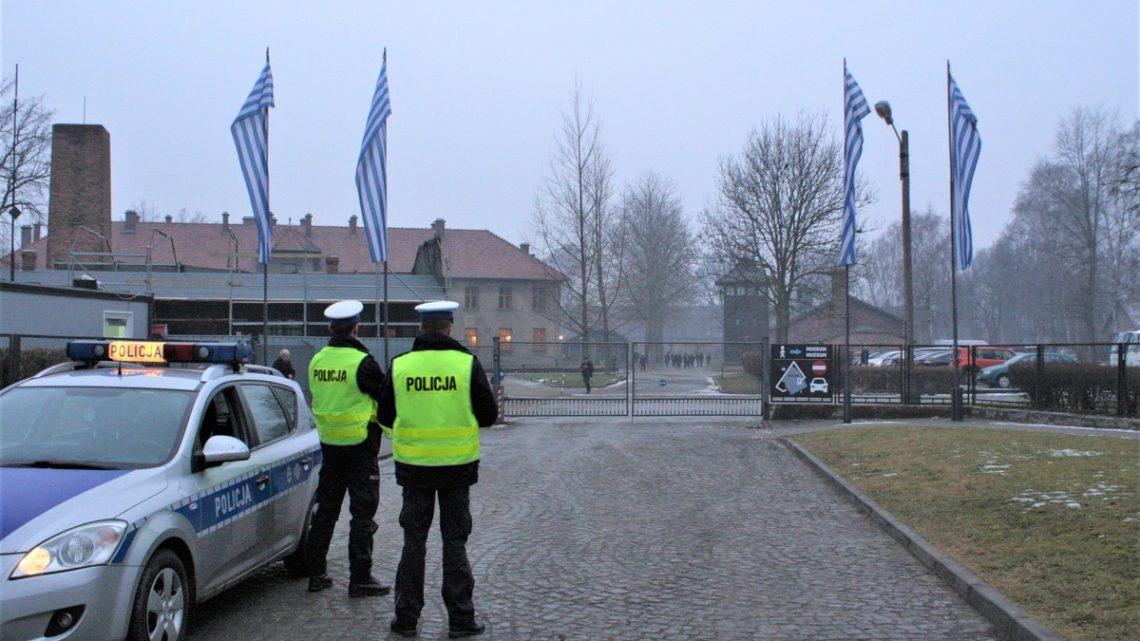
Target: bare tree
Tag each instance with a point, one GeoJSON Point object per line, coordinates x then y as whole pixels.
{"type": "Point", "coordinates": [1078, 229]}
{"type": "Point", "coordinates": [780, 203]}
{"type": "Point", "coordinates": [26, 167]}
{"type": "Point", "coordinates": [572, 219]}
{"type": "Point", "coordinates": [660, 256]}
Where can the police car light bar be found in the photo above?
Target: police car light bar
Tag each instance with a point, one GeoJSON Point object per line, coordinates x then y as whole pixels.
{"type": "Point", "coordinates": [158, 352]}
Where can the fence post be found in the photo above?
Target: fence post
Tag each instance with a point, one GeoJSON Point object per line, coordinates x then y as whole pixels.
{"type": "Point", "coordinates": [496, 372]}
{"type": "Point", "coordinates": [12, 366]}
{"type": "Point", "coordinates": [1039, 375]}
{"type": "Point", "coordinates": [765, 364]}
{"type": "Point", "coordinates": [1121, 379]}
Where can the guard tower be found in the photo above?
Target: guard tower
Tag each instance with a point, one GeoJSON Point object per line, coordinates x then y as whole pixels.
{"type": "Point", "coordinates": [742, 292]}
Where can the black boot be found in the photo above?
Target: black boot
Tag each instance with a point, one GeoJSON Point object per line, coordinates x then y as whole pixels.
{"type": "Point", "coordinates": [406, 629]}
{"type": "Point", "coordinates": [367, 587]}
{"type": "Point", "coordinates": [469, 629]}
{"type": "Point", "coordinates": [319, 582]}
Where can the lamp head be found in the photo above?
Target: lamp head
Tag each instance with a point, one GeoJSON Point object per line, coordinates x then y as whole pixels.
{"type": "Point", "coordinates": [883, 108]}
{"type": "Point", "coordinates": [14, 212]}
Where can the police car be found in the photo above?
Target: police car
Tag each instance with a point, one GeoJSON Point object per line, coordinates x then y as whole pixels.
{"type": "Point", "coordinates": [132, 488]}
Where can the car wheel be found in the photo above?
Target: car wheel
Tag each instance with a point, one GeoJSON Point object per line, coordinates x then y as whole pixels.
{"type": "Point", "coordinates": [161, 609]}
{"type": "Point", "coordinates": [297, 563]}
{"type": "Point", "coordinates": [1003, 381]}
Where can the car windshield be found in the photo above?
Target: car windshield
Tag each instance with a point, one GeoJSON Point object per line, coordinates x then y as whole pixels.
{"type": "Point", "coordinates": [89, 427]}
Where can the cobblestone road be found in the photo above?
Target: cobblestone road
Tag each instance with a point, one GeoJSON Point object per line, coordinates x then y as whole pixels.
{"type": "Point", "coordinates": [657, 530]}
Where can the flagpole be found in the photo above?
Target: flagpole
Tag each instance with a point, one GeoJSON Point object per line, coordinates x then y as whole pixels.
{"type": "Point", "coordinates": [846, 295]}
{"type": "Point", "coordinates": [956, 413]}
{"type": "Point", "coordinates": [386, 357]}
{"type": "Point", "coordinates": [847, 349]}
{"type": "Point", "coordinates": [384, 133]}
{"type": "Point", "coordinates": [269, 242]}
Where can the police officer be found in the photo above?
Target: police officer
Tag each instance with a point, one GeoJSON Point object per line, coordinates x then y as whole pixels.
{"type": "Point", "coordinates": [434, 402]}
{"type": "Point", "coordinates": [345, 381]}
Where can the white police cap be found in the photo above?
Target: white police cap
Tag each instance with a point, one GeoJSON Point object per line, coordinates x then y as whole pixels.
{"type": "Point", "coordinates": [345, 312]}
{"type": "Point", "coordinates": [437, 309]}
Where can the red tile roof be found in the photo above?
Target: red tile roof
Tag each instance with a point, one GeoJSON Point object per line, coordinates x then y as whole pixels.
{"type": "Point", "coordinates": [471, 253]}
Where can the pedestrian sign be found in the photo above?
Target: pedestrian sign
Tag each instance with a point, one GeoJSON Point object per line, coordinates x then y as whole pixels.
{"type": "Point", "coordinates": [802, 371]}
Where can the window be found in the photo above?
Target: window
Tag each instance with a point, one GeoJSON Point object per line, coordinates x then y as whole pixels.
{"type": "Point", "coordinates": [505, 338]}
{"type": "Point", "coordinates": [538, 299]}
{"type": "Point", "coordinates": [504, 297]}
{"type": "Point", "coordinates": [472, 335]}
{"type": "Point", "coordinates": [117, 324]}
{"type": "Point", "coordinates": [269, 420]}
{"type": "Point", "coordinates": [222, 417]}
{"type": "Point", "coordinates": [471, 297]}
{"type": "Point", "coordinates": [539, 339]}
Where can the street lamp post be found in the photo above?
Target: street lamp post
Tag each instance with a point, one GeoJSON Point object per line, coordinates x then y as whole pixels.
{"type": "Point", "coordinates": [883, 108]}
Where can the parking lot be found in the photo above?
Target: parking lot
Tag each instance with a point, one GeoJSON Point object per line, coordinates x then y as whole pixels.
{"type": "Point", "coordinates": [646, 529]}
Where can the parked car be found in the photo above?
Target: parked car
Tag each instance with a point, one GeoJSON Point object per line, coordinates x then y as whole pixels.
{"type": "Point", "coordinates": [941, 357]}
{"type": "Point", "coordinates": [134, 489]}
{"type": "Point", "coordinates": [999, 375]}
{"type": "Point", "coordinates": [982, 356]}
{"type": "Point", "coordinates": [884, 359]}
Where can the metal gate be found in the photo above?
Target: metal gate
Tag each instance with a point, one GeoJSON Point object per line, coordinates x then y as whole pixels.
{"type": "Point", "coordinates": [697, 379]}
{"type": "Point", "coordinates": [630, 379]}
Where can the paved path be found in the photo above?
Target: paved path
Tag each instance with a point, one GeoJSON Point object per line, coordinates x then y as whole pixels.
{"type": "Point", "coordinates": [612, 529]}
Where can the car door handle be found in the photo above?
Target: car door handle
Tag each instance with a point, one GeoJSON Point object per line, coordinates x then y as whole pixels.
{"type": "Point", "coordinates": [307, 461]}
{"type": "Point", "coordinates": [262, 481]}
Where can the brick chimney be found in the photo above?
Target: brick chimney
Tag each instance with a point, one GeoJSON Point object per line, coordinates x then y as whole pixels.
{"type": "Point", "coordinates": [247, 220]}
{"type": "Point", "coordinates": [28, 260]}
{"type": "Point", "coordinates": [525, 247]}
{"type": "Point", "coordinates": [438, 227]}
{"type": "Point", "coordinates": [307, 224]}
{"type": "Point", "coordinates": [132, 223]}
{"type": "Point", "coordinates": [25, 235]}
{"type": "Point", "coordinates": [80, 192]}
{"type": "Point", "coordinates": [225, 221]}
{"type": "Point", "coordinates": [352, 225]}
{"type": "Point", "coordinates": [169, 218]}
{"type": "Point", "coordinates": [37, 231]}
{"type": "Point", "coordinates": [332, 263]}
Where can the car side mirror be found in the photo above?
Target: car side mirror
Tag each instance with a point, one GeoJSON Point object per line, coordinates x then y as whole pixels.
{"type": "Point", "coordinates": [220, 449]}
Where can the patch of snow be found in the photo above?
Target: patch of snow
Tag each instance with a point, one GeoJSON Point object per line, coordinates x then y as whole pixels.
{"type": "Point", "coordinates": [1065, 453]}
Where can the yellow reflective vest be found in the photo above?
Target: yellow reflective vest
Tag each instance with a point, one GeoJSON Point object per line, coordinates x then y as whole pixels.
{"type": "Point", "coordinates": [434, 423]}
{"type": "Point", "coordinates": [341, 409]}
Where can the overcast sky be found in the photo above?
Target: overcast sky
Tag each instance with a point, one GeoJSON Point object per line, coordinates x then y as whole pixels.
{"type": "Point", "coordinates": [478, 90]}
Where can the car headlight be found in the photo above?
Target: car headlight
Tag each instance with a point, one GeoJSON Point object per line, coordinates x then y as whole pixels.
{"type": "Point", "coordinates": [84, 546]}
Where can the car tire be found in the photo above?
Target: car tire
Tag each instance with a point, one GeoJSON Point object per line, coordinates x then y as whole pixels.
{"type": "Point", "coordinates": [1003, 381]}
{"type": "Point", "coordinates": [161, 609]}
{"type": "Point", "coordinates": [297, 563]}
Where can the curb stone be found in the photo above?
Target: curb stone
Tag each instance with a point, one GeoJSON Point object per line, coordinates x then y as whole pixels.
{"type": "Point", "coordinates": [1010, 620]}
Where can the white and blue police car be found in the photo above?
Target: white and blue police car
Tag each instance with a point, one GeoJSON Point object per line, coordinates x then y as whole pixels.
{"type": "Point", "coordinates": [143, 478]}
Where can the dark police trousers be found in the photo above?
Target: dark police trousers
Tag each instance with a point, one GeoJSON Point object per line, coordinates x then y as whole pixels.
{"type": "Point", "coordinates": [454, 528]}
{"type": "Point", "coordinates": [352, 469]}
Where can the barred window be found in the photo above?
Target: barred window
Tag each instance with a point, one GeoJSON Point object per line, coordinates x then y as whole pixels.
{"type": "Point", "coordinates": [505, 297]}
{"type": "Point", "coordinates": [471, 297]}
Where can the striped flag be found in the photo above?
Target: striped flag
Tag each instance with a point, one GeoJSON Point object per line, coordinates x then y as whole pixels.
{"type": "Point", "coordinates": [965, 146]}
{"type": "Point", "coordinates": [854, 110]}
{"type": "Point", "coordinates": [372, 169]}
{"type": "Point", "coordinates": [251, 137]}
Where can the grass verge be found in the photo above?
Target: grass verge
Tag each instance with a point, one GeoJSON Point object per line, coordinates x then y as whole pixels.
{"type": "Point", "coordinates": [1050, 520]}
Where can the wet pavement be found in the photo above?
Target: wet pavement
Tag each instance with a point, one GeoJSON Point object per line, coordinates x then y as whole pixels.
{"type": "Point", "coordinates": [643, 529]}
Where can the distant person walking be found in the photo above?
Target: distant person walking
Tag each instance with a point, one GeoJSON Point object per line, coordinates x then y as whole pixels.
{"type": "Point", "coordinates": [587, 368]}
{"type": "Point", "coordinates": [436, 399]}
{"type": "Point", "coordinates": [284, 365]}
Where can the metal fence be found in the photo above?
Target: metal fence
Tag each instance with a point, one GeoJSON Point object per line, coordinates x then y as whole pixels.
{"type": "Point", "coordinates": [696, 379]}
